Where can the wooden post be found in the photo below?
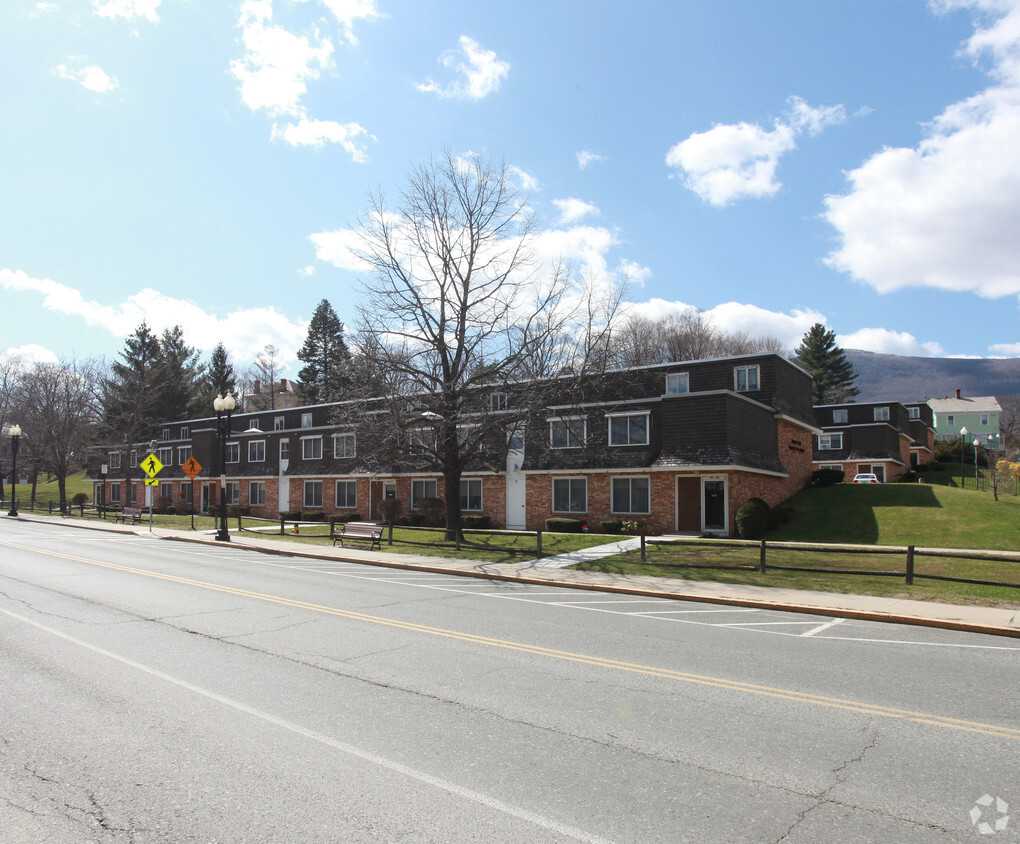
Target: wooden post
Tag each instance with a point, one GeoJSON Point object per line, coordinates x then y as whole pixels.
{"type": "Point", "coordinates": [644, 554]}
{"type": "Point", "coordinates": [539, 542]}
{"type": "Point", "coordinates": [761, 558]}
{"type": "Point", "coordinates": [910, 565]}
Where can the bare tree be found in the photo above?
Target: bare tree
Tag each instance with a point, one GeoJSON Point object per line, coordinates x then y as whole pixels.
{"type": "Point", "coordinates": [265, 372]}
{"type": "Point", "coordinates": [1009, 423]}
{"type": "Point", "coordinates": [11, 370]}
{"type": "Point", "coordinates": [60, 407]}
{"type": "Point", "coordinates": [456, 306]}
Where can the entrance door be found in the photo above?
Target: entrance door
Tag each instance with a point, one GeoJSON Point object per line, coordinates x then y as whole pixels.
{"type": "Point", "coordinates": [715, 505]}
{"type": "Point", "coordinates": [688, 504]}
{"type": "Point", "coordinates": [205, 498]}
{"type": "Point", "coordinates": [516, 498]}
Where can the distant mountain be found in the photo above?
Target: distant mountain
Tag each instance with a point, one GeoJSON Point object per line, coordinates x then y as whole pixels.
{"type": "Point", "coordinates": [906, 379]}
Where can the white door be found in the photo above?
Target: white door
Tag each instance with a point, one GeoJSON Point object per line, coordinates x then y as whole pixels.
{"type": "Point", "coordinates": [283, 482]}
{"type": "Point", "coordinates": [516, 499]}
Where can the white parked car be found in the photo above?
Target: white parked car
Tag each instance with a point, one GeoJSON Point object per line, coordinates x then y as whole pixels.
{"type": "Point", "coordinates": [866, 478]}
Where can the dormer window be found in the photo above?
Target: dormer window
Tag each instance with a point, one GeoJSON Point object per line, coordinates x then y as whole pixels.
{"type": "Point", "coordinates": [678, 383]}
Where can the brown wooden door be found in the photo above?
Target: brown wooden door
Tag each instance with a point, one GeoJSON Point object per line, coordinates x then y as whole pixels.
{"type": "Point", "coordinates": [688, 504]}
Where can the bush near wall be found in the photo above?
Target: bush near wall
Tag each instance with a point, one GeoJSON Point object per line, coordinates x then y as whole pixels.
{"type": "Point", "coordinates": [562, 525]}
{"type": "Point", "coordinates": [753, 519]}
{"type": "Point", "coordinates": [827, 477]}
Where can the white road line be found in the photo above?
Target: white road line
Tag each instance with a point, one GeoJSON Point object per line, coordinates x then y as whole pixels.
{"type": "Point", "coordinates": [365, 755]}
{"type": "Point", "coordinates": [822, 627]}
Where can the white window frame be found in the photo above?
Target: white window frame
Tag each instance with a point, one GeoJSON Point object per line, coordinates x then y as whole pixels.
{"type": "Point", "coordinates": [114, 460]}
{"type": "Point", "coordinates": [569, 425]}
{"type": "Point", "coordinates": [497, 402]}
{"type": "Point", "coordinates": [984, 420]}
{"type": "Point", "coordinates": [115, 493]}
{"type": "Point", "coordinates": [348, 484]}
{"type": "Point", "coordinates": [133, 459]}
{"type": "Point", "coordinates": [914, 412]}
{"type": "Point", "coordinates": [951, 420]}
{"type": "Point", "coordinates": [232, 494]}
{"type": "Point", "coordinates": [306, 420]}
{"type": "Point", "coordinates": [279, 423]}
{"type": "Point", "coordinates": [253, 456]}
{"type": "Point", "coordinates": [185, 432]}
{"type": "Point", "coordinates": [612, 417]}
{"type": "Point", "coordinates": [256, 493]}
{"type": "Point", "coordinates": [308, 441]}
{"type": "Point", "coordinates": [186, 491]}
{"type": "Point", "coordinates": [825, 441]}
{"type": "Point", "coordinates": [350, 445]}
{"type": "Point", "coordinates": [166, 490]}
{"type": "Point", "coordinates": [466, 494]}
{"type": "Point", "coordinates": [678, 383]}
{"type": "Point", "coordinates": [164, 435]}
{"type": "Point", "coordinates": [233, 452]}
{"type": "Point", "coordinates": [311, 486]}
{"type": "Point", "coordinates": [285, 448]}
{"type": "Point", "coordinates": [743, 374]}
{"type": "Point", "coordinates": [165, 454]}
{"type": "Point", "coordinates": [569, 482]}
{"type": "Point", "coordinates": [836, 467]}
{"type": "Point", "coordinates": [881, 414]}
{"type": "Point", "coordinates": [841, 416]}
{"type": "Point", "coordinates": [183, 454]}
{"type": "Point", "coordinates": [420, 489]}
{"type": "Point", "coordinates": [630, 494]}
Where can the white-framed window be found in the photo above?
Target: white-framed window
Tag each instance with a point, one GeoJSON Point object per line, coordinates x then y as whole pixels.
{"type": "Point", "coordinates": [233, 494]}
{"type": "Point", "coordinates": [570, 495]}
{"type": "Point", "coordinates": [984, 420]}
{"type": "Point", "coordinates": [285, 449]}
{"type": "Point", "coordinates": [165, 434]}
{"type": "Point", "coordinates": [840, 417]}
{"type": "Point", "coordinates": [836, 467]}
{"type": "Point", "coordinates": [115, 493]}
{"type": "Point", "coordinates": [306, 420]}
{"type": "Point", "coordinates": [746, 378]}
{"type": "Point", "coordinates": [515, 440]}
{"type": "Point", "coordinates": [628, 428]}
{"type": "Point", "coordinates": [311, 448]}
{"type": "Point", "coordinates": [347, 494]}
{"type": "Point", "coordinates": [254, 425]}
{"type": "Point", "coordinates": [132, 493]}
{"type": "Point", "coordinates": [166, 489]}
{"type": "Point", "coordinates": [568, 432]}
{"type": "Point", "coordinates": [471, 494]}
{"type": "Point", "coordinates": [166, 456]}
{"type": "Point", "coordinates": [133, 459]}
{"type": "Point", "coordinates": [313, 494]}
{"type": "Point", "coordinates": [256, 451]}
{"type": "Point", "coordinates": [114, 460]}
{"type": "Point", "coordinates": [233, 452]}
{"type": "Point", "coordinates": [185, 494]}
{"type": "Point", "coordinates": [185, 432]}
{"type": "Point", "coordinates": [183, 454]}
{"type": "Point", "coordinates": [631, 495]}
{"type": "Point", "coordinates": [497, 401]}
{"type": "Point", "coordinates": [344, 445]}
{"type": "Point", "coordinates": [678, 383]}
{"type": "Point", "coordinates": [881, 414]}
{"type": "Point", "coordinates": [278, 423]}
{"type": "Point", "coordinates": [914, 412]}
{"type": "Point", "coordinates": [257, 493]}
{"type": "Point", "coordinates": [950, 420]}
{"type": "Point", "coordinates": [830, 442]}
{"type": "Point", "coordinates": [422, 489]}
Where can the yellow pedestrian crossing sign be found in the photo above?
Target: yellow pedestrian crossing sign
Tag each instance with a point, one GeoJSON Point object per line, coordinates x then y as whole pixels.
{"type": "Point", "coordinates": [151, 482]}
{"type": "Point", "coordinates": [151, 465]}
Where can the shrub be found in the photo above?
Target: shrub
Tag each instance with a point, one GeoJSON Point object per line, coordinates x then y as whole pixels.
{"type": "Point", "coordinates": [612, 526]}
{"type": "Point", "coordinates": [779, 516]}
{"type": "Point", "coordinates": [163, 504]}
{"type": "Point", "coordinates": [827, 477]}
{"type": "Point", "coordinates": [80, 499]}
{"type": "Point", "coordinates": [388, 510]}
{"type": "Point", "coordinates": [433, 509]}
{"type": "Point", "coordinates": [476, 522]}
{"type": "Point", "coordinates": [635, 528]}
{"type": "Point", "coordinates": [290, 515]}
{"type": "Point", "coordinates": [235, 510]}
{"type": "Point", "coordinates": [562, 525]}
{"type": "Point", "coordinates": [348, 517]}
{"type": "Point", "coordinates": [313, 516]}
{"type": "Point", "coordinates": [752, 519]}
{"type": "Point", "coordinates": [411, 519]}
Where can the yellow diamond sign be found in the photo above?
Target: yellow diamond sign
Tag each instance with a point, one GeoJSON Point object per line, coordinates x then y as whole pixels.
{"type": "Point", "coordinates": [151, 465]}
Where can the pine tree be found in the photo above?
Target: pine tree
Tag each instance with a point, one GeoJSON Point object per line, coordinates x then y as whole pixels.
{"type": "Point", "coordinates": [131, 396]}
{"type": "Point", "coordinates": [833, 374]}
{"type": "Point", "coordinates": [179, 378]}
{"type": "Point", "coordinates": [324, 377]}
{"type": "Point", "coordinates": [219, 377]}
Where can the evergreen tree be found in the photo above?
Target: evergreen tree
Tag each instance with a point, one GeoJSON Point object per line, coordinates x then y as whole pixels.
{"type": "Point", "coordinates": [219, 377]}
{"type": "Point", "coordinates": [179, 378]}
{"type": "Point", "coordinates": [131, 395]}
{"type": "Point", "coordinates": [833, 374]}
{"type": "Point", "coordinates": [324, 377]}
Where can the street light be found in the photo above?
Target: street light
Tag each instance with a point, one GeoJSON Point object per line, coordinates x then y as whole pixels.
{"type": "Point", "coordinates": [976, 444]}
{"type": "Point", "coordinates": [963, 437]}
{"type": "Point", "coordinates": [224, 407]}
{"type": "Point", "coordinates": [15, 432]}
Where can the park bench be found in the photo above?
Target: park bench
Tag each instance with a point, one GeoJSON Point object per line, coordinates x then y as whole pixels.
{"type": "Point", "coordinates": [366, 531]}
{"type": "Point", "coordinates": [132, 513]}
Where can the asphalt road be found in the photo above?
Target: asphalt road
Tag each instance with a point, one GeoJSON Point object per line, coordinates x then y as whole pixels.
{"type": "Point", "coordinates": [156, 691]}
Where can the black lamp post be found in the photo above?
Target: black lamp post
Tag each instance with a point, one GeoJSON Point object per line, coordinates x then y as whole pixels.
{"type": "Point", "coordinates": [224, 407]}
{"type": "Point", "coordinates": [15, 432]}
{"type": "Point", "coordinates": [963, 465]}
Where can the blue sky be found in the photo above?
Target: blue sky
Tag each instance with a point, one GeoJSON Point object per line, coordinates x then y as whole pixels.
{"type": "Point", "coordinates": [772, 164]}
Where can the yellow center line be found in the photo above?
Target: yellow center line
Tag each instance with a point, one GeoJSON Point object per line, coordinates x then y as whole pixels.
{"type": "Point", "coordinates": [551, 653]}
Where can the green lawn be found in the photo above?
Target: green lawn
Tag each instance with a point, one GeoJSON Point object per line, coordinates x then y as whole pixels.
{"type": "Point", "coordinates": [46, 490]}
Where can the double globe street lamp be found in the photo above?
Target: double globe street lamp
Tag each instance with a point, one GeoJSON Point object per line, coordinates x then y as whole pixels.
{"type": "Point", "coordinates": [15, 432]}
{"type": "Point", "coordinates": [224, 407]}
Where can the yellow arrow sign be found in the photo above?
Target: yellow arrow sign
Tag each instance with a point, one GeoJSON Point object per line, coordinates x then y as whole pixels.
{"type": "Point", "coordinates": [151, 465]}
{"type": "Point", "coordinates": [151, 482]}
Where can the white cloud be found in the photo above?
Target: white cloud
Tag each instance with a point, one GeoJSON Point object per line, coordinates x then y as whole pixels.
{"type": "Point", "coordinates": [1006, 350]}
{"type": "Point", "coordinates": [585, 159]}
{"type": "Point", "coordinates": [944, 214]}
{"type": "Point", "coordinates": [347, 12]}
{"type": "Point", "coordinates": [634, 273]}
{"type": "Point", "coordinates": [336, 248]}
{"type": "Point", "coordinates": [244, 332]}
{"type": "Point", "coordinates": [734, 161]}
{"type": "Point", "coordinates": [887, 342]}
{"type": "Point", "coordinates": [127, 9]}
{"type": "Point", "coordinates": [317, 133]}
{"type": "Point", "coordinates": [572, 210]}
{"type": "Point", "coordinates": [480, 72]}
{"type": "Point", "coordinates": [526, 181]}
{"type": "Point", "coordinates": [92, 77]}
{"type": "Point", "coordinates": [30, 353]}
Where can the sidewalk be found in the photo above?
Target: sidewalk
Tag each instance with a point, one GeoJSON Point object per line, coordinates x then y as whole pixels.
{"type": "Point", "coordinates": [549, 571]}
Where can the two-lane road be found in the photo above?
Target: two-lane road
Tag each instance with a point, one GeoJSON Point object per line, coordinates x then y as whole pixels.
{"type": "Point", "coordinates": [154, 691]}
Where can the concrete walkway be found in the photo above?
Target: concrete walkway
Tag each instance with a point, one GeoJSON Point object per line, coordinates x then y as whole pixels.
{"type": "Point", "coordinates": [1000, 621]}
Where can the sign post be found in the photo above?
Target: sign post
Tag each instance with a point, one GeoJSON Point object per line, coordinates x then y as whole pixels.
{"type": "Point", "coordinates": [191, 468]}
{"type": "Point", "coordinates": [152, 467]}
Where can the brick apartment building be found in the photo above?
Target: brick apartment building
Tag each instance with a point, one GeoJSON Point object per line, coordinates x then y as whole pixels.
{"type": "Point", "coordinates": [678, 446]}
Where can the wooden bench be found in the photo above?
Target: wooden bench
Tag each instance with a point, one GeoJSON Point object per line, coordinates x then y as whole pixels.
{"type": "Point", "coordinates": [133, 513]}
{"type": "Point", "coordinates": [366, 531]}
